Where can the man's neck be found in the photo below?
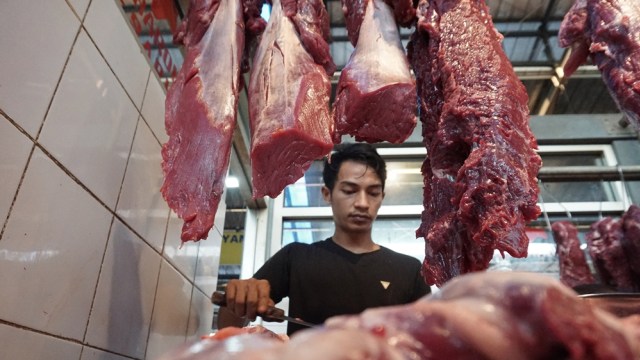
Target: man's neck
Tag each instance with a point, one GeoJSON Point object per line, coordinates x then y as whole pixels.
{"type": "Point", "coordinates": [356, 243]}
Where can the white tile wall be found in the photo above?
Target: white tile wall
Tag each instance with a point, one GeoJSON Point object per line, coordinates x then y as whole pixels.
{"type": "Point", "coordinates": [29, 345]}
{"type": "Point", "coordinates": [153, 108]}
{"type": "Point", "coordinates": [80, 6]}
{"type": "Point", "coordinates": [170, 313]}
{"type": "Point", "coordinates": [141, 204]}
{"type": "Point", "coordinates": [36, 39]}
{"type": "Point", "coordinates": [75, 282]}
{"type": "Point", "coordinates": [208, 261]}
{"type": "Point", "coordinates": [121, 312]}
{"type": "Point", "coordinates": [51, 252]}
{"type": "Point", "coordinates": [108, 27]}
{"type": "Point", "coordinates": [183, 256]}
{"type": "Point", "coordinates": [12, 163]}
{"type": "Point", "coordinates": [89, 353]}
{"type": "Point", "coordinates": [92, 137]}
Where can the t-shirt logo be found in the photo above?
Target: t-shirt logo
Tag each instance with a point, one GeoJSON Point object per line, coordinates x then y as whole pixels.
{"type": "Point", "coordinates": [385, 284]}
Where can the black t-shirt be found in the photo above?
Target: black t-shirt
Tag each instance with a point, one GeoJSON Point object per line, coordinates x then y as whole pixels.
{"type": "Point", "coordinates": [323, 279]}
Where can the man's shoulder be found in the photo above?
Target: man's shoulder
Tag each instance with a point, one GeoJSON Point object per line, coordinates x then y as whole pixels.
{"type": "Point", "coordinates": [396, 256]}
{"type": "Point", "coordinates": [295, 246]}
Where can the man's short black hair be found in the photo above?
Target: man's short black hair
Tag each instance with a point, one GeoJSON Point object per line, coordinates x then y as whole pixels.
{"type": "Point", "coordinates": [362, 153]}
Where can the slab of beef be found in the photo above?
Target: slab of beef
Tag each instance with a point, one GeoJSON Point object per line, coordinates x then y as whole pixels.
{"type": "Point", "coordinates": [604, 241]}
{"type": "Point", "coordinates": [376, 94]}
{"type": "Point", "coordinates": [481, 166]}
{"type": "Point", "coordinates": [574, 269]}
{"type": "Point", "coordinates": [631, 241]}
{"type": "Point", "coordinates": [288, 103]}
{"type": "Point", "coordinates": [488, 315]}
{"type": "Point", "coordinates": [609, 32]}
{"type": "Point", "coordinates": [200, 113]}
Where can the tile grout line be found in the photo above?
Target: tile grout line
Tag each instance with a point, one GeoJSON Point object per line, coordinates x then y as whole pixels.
{"type": "Point", "coordinates": [55, 90]}
{"type": "Point", "coordinates": [35, 140]}
{"type": "Point", "coordinates": [75, 341]}
{"type": "Point", "coordinates": [113, 213]}
{"type": "Point", "coordinates": [106, 247]}
{"type": "Point", "coordinates": [22, 176]}
{"type": "Point", "coordinates": [95, 45]}
{"type": "Point", "coordinates": [153, 307]}
{"type": "Point", "coordinates": [151, 74]}
{"type": "Point", "coordinates": [95, 290]}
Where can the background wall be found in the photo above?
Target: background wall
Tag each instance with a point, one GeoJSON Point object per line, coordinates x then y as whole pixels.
{"type": "Point", "coordinates": [91, 265]}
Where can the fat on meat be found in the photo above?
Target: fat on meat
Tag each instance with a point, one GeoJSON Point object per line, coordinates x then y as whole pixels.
{"type": "Point", "coordinates": [480, 185]}
{"type": "Point", "coordinates": [376, 93]}
{"type": "Point", "coordinates": [288, 107]}
{"type": "Point", "coordinates": [604, 241]}
{"type": "Point", "coordinates": [200, 113]}
{"type": "Point", "coordinates": [608, 31]}
{"type": "Point", "coordinates": [485, 315]}
{"type": "Point", "coordinates": [574, 269]}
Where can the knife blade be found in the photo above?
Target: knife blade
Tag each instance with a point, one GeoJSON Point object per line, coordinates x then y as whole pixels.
{"type": "Point", "coordinates": [220, 298]}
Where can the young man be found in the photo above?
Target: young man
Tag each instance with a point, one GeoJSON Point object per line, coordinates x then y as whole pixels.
{"type": "Point", "coordinates": [346, 273]}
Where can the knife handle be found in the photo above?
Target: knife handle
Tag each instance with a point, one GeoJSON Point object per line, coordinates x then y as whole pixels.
{"type": "Point", "coordinates": [272, 314]}
{"type": "Point", "coordinates": [219, 298]}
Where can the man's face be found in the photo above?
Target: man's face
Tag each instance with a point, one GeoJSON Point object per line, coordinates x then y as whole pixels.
{"type": "Point", "coordinates": [356, 197]}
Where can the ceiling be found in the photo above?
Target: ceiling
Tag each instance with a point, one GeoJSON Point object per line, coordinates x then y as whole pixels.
{"type": "Point", "coordinates": [529, 27]}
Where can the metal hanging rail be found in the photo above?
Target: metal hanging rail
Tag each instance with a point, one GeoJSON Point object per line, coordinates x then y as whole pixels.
{"type": "Point", "coordinates": [589, 173]}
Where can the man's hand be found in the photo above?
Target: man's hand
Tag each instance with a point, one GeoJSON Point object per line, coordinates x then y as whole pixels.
{"type": "Point", "coordinates": [249, 298]}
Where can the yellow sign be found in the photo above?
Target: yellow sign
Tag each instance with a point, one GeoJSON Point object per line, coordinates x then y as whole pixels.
{"type": "Point", "coordinates": [231, 251]}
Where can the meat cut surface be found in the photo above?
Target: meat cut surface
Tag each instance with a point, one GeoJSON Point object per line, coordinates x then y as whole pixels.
{"type": "Point", "coordinates": [574, 269]}
{"type": "Point", "coordinates": [288, 107]}
{"type": "Point", "coordinates": [609, 32]}
{"type": "Point", "coordinates": [376, 94]}
{"type": "Point", "coordinates": [480, 186]}
{"type": "Point", "coordinates": [200, 114]}
{"type": "Point", "coordinates": [488, 315]}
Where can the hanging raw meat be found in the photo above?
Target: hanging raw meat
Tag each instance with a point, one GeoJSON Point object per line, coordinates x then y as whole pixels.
{"type": "Point", "coordinates": [376, 94]}
{"type": "Point", "coordinates": [574, 269]}
{"type": "Point", "coordinates": [605, 247]}
{"type": "Point", "coordinates": [631, 240]}
{"type": "Point", "coordinates": [609, 32]}
{"type": "Point", "coordinates": [289, 94]}
{"type": "Point", "coordinates": [481, 166]}
{"type": "Point", "coordinates": [200, 113]}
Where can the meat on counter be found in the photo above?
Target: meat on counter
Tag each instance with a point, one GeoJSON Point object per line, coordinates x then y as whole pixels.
{"type": "Point", "coordinates": [485, 315]}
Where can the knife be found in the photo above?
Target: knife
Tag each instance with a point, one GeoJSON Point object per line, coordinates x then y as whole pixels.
{"type": "Point", "coordinates": [220, 298]}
